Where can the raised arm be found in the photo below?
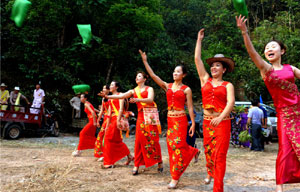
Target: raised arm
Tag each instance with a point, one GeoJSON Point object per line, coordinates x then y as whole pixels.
{"type": "Point", "coordinates": [157, 79]}
{"type": "Point", "coordinates": [189, 102]}
{"type": "Point", "coordinates": [229, 106]}
{"type": "Point", "coordinates": [261, 64]}
{"type": "Point", "coordinates": [149, 99]}
{"type": "Point", "coordinates": [203, 75]}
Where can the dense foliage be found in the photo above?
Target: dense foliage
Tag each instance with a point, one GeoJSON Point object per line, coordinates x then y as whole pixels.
{"type": "Point", "coordinates": [48, 46]}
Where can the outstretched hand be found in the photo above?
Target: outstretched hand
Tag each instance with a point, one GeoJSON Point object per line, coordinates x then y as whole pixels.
{"type": "Point", "coordinates": [143, 55]}
{"type": "Point", "coordinates": [241, 23]}
{"type": "Point", "coordinates": [101, 94]}
{"type": "Point", "coordinates": [201, 34]}
{"type": "Point", "coordinates": [133, 100]}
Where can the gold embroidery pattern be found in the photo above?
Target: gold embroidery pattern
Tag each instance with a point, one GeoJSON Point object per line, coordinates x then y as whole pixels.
{"type": "Point", "coordinates": [277, 82]}
{"type": "Point", "coordinates": [209, 149]}
{"type": "Point", "coordinates": [291, 121]}
{"type": "Point", "coordinates": [150, 148]}
{"type": "Point", "coordinates": [177, 155]}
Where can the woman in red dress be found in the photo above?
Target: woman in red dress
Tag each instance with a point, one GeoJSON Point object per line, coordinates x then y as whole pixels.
{"type": "Point", "coordinates": [147, 148]}
{"type": "Point", "coordinates": [87, 134]}
{"type": "Point", "coordinates": [280, 81]}
{"type": "Point", "coordinates": [218, 101]}
{"type": "Point", "coordinates": [180, 153]}
{"type": "Point", "coordinates": [114, 148]}
{"type": "Point", "coordinates": [98, 151]}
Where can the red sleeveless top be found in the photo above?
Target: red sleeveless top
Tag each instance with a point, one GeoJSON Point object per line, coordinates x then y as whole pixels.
{"type": "Point", "coordinates": [89, 114]}
{"type": "Point", "coordinates": [116, 104]}
{"type": "Point", "coordinates": [105, 105]}
{"type": "Point", "coordinates": [144, 94]}
{"type": "Point", "coordinates": [214, 97]}
{"type": "Point", "coordinates": [176, 100]}
{"type": "Point", "coordinates": [282, 87]}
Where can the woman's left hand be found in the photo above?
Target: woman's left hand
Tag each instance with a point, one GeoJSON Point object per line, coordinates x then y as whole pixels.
{"type": "Point", "coordinates": [133, 100]}
{"type": "Point", "coordinates": [216, 121]}
{"type": "Point", "coordinates": [192, 130]}
{"type": "Point", "coordinates": [119, 126]}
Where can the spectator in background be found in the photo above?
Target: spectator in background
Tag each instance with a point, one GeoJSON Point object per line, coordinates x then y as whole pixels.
{"type": "Point", "coordinates": [243, 124]}
{"type": "Point", "coordinates": [235, 129]}
{"type": "Point", "coordinates": [4, 95]}
{"type": "Point", "coordinates": [15, 99]}
{"type": "Point", "coordinates": [75, 103]}
{"type": "Point", "coordinates": [38, 99]}
{"type": "Point", "coordinates": [255, 118]}
{"type": "Point", "coordinates": [264, 124]}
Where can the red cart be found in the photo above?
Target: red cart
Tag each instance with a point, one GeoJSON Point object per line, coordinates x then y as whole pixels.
{"type": "Point", "coordinates": [15, 123]}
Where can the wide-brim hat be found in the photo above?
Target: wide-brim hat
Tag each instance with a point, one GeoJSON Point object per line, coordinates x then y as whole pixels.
{"type": "Point", "coordinates": [3, 85]}
{"type": "Point", "coordinates": [221, 58]}
{"type": "Point", "coordinates": [17, 88]}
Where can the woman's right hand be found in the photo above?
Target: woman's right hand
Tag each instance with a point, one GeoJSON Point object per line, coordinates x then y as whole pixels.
{"type": "Point", "coordinates": [201, 34]}
{"type": "Point", "coordinates": [241, 23]}
{"type": "Point", "coordinates": [143, 55]}
{"type": "Point", "coordinates": [102, 94]}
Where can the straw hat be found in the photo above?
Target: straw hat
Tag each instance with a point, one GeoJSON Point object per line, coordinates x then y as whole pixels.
{"type": "Point", "coordinates": [221, 58]}
{"type": "Point", "coordinates": [3, 85]}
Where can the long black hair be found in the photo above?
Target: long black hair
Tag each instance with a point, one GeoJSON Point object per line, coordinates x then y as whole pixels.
{"type": "Point", "coordinates": [119, 89]}
{"type": "Point", "coordinates": [183, 68]}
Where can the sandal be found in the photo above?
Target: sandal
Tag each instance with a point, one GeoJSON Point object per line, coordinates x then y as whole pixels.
{"type": "Point", "coordinates": [160, 169]}
{"type": "Point", "coordinates": [197, 156]}
{"type": "Point", "coordinates": [129, 160]}
{"type": "Point", "coordinates": [105, 167]}
{"type": "Point", "coordinates": [135, 172]}
{"type": "Point", "coordinates": [172, 185]}
{"type": "Point", "coordinates": [76, 153]}
{"type": "Point", "coordinates": [207, 181]}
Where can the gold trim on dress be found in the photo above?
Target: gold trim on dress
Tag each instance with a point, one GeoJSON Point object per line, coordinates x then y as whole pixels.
{"type": "Point", "coordinates": [210, 117]}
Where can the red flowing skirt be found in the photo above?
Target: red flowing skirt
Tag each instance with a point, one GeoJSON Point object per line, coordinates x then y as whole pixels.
{"type": "Point", "coordinates": [147, 148]}
{"type": "Point", "coordinates": [288, 159]}
{"type": "Point", "coordinates": [180, 153]}
{"type": "Point", "coordinates": [114, 148]}
{"type": "Point", "coordinates": [216, 144]}
{"type": "Point", "coordinates": [98, 151]}
{"type": "Point", "coordinates": [87, 136]}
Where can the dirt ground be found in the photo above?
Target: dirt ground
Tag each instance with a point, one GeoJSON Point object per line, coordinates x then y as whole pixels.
{"type": "Point", "coordinates": [46, 164]}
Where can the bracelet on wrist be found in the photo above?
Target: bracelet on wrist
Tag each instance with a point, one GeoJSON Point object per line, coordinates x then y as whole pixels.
{"type": "Point", "coordinates": [244, 32]}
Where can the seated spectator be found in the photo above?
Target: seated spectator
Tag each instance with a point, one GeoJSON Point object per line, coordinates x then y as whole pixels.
{"type": "Point", "coordinates": [15, 99]}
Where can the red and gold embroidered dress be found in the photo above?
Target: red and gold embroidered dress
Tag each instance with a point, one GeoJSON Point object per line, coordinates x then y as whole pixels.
{"type": "Point", "coordinates": [114, 149]}
{"type": "Point", "coordinates": [87, 134]}
{"type": "Point", "coordinates": [216, 139]}
{"type": "Point", "coordinates": [286, 97]}
{"type": "Point", "coordinates": [180, 153]}
{"type": "Point", "coordinates": [98, 151]}
{"type": "Point", "coordinates": [147, 149]}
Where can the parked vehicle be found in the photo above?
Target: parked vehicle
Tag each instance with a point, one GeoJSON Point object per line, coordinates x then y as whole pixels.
{"type": "Point", "coordinates": [15, 123]}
